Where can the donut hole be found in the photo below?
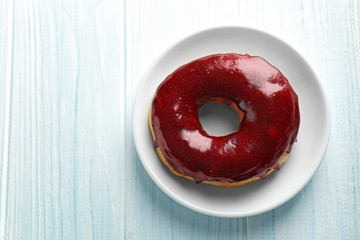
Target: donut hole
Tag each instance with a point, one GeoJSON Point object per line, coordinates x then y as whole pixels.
{"type": "Point", "coordinates": [219, 119]}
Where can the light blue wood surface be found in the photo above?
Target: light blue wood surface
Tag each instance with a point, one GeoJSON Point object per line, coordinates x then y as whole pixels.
{"type": "Point", "coordinates": [69, 71]}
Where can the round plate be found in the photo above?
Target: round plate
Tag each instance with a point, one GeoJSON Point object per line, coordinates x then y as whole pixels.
{"type": "Point", "coordinates": [306, 154]}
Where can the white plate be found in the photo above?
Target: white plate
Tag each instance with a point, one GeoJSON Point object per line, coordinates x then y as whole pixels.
{"type": "Point", "coordinates": [305, 157]}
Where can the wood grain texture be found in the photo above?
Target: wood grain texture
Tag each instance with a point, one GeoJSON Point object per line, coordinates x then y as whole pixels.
{"type": "Point", "coordinates": [66, 150]}
{"type": "Point", "coordinates": [72, 168]}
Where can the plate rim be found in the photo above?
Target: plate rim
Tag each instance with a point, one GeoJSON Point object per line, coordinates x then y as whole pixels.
{"type": "Point", "coordinates": [208, 212]}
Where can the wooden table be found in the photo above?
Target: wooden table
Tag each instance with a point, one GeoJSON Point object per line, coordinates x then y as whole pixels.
{"type": "Point", "coordinates": [69, 74]}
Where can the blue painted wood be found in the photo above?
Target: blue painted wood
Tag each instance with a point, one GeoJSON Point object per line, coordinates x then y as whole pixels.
{"type": "Point", "coordinates": [4, 82]}
{"type": "Point", "coordinates": [72, 168]}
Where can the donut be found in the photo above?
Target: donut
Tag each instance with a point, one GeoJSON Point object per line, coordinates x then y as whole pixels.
{"type": "Point", "coordinates": [268, 110]}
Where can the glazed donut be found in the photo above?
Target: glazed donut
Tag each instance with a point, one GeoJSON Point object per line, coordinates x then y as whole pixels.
{"type": "Point", "coordinates": [267, 107]}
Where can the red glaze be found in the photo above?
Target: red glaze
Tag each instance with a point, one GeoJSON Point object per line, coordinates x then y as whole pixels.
{"type": "Point", "coordinates": [269, 128]}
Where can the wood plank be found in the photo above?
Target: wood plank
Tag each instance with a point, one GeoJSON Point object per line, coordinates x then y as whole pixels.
{"type": "Point", "coordinates": [65, 160]}
{"type": "Point", "coordinates": [6, 60]}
